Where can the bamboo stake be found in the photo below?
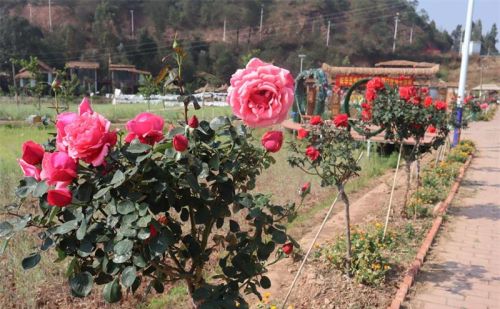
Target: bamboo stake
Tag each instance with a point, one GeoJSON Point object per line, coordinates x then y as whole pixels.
{"type": "Point", "coordinates": [392, 191]}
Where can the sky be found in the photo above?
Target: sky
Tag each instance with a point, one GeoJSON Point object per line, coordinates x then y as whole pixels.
{"type": "Point", "coordinates": [449, 13]}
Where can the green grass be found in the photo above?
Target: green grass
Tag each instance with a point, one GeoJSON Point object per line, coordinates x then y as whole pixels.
{"type": "Point", "coordinates": [115, 113]}
{"type": "Point", "coordinates": [24, 282]}
{"type": "Point", "coordinates": [176, 297]}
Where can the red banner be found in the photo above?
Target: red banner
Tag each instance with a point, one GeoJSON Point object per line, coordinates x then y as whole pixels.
{"type": "Point", "coordinates": [348, 80]}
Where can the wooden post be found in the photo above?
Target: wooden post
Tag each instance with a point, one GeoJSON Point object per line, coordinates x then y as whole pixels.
{"type": "Point", "coordinates": [311, 91]}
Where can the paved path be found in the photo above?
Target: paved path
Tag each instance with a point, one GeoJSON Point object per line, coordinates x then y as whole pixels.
{"type": "Point", "coordinates": [463, 270]}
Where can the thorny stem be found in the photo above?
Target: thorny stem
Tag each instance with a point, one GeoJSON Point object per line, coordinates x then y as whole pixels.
{"type": "Point", "coordinates": [344, 198]}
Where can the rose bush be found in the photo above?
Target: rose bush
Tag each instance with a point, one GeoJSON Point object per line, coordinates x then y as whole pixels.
{"type": "Point", "coordinates": [153, 207]}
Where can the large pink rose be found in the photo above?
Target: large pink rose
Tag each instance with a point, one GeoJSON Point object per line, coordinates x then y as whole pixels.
{"type": "Point", "coordinates": [88, 138]}
{"type": "Point", "coordinates": [261, 94]}
{"type": "Point", "coordinates": [58, 167]}
{"type": "Point", "coordinates": [85, 135]}
{"type": "Point", "coordinates": [147, 127]}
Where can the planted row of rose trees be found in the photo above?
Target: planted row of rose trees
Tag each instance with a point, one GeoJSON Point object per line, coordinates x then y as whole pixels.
{"type": "Point", "coordinates": [145, 208]}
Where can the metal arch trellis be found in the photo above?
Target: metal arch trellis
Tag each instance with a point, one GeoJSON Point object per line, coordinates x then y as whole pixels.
{"type": "Point", "coordinates": [345, 109]}
{"type": "Point", "coordinates": [321, 81]}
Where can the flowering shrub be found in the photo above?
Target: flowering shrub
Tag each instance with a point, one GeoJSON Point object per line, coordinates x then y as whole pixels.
{"type": "Point", "coordinates": [148, 208]}
{"type": "Point", "coordinates": [327, 151]}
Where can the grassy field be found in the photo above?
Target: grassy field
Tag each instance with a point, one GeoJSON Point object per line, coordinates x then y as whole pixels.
{"type": "Point", "coordinates": [280, 180]}
{"type": "Point", "coordinates": [9, 110]}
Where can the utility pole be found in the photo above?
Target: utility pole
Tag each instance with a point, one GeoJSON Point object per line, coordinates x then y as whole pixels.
{"type": "Point", "coordinates": [301, 56]}
{"type": "Point", "coordinates": [396, 21]}
{"type": "Point", "coordinates": [224, 33]}
{"type": "Point", "coordinates": [411, 35]}
{"type": "Point", "coordinates": [50, 16]}
{"type": "Point", "coordinates": [463, 71]}
{"type": "Point", "coordinates": [261, 20]}
{"type": "Point", "coordinates": [328, 34]}
{"type": "Point", "coordinates": [132, 22]}
{"type": "Point", "coordinates": [31, 15]}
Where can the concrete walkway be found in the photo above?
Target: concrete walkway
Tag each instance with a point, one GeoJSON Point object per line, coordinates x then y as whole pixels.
{"type": "Point", "coordinates": [463, 270]}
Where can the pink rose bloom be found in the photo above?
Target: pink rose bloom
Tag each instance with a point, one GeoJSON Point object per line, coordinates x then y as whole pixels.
{"type": "Point", "coordinates": [85, 135]}
{"type": "Point", "coordinates": [484, 106]}
{"type": "Point", "coordinates": [272, 141]}
{"type": "Point", "coordinates": [66, 118]}
{"type": "Point", "coordinates": [58, 167]}
{"type": "Point", "coordinates": [261, 94]}
{"type": "Point", "coordinates": [29, 170]}
{"type": "Point", "coordinates": [147, 127]}
{"type": "Point", "coordinates": [32, 153]}
{"type": "Point", "coordinates": [88, 138]}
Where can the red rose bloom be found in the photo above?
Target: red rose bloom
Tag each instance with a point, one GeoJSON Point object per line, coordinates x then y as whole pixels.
{"type": "Point", "coordinates": [287, 248]}
{"type": "Point", "coordinates": [193, 122]}
{"type": "Point", "coordinates": [59, 197]}
{"type": "Point", "coordinates": [32, 153]}
{"type": "Point", "coordinates": [302, 133]}
{"type": "Point", "coordinates": [341, 120]}
{"type": "Point", "coordinates": [366, 115]}
{"type": "Point", "coordinates": [370, 95]}
{"type": "Point", "coordinates": [312, 153]}
{"type": "Point", "coordinates": [152, 231]}
{"type": "Point", "coordinates": [315, 120]}
{"type": "Point", "coordinates": [272, 141]}
{"type": "Point", "coordinates": [406, 93]}
{"type": "Point", "coordinates": [431, 129]}
{"type": "Point", "coordinates": [180, 142]}
{"type": "Point", "coordinates": [427, 102]}
{"type": "Point", "coordinates": [375, 83]}
{"type": "Point", "coordinates": [440, 105]}
{"type": "Point", "coordinates": [424, 91]}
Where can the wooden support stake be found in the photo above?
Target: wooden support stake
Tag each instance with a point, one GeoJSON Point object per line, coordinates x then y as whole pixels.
{"type": "Point", "coordinates": [392, 191]}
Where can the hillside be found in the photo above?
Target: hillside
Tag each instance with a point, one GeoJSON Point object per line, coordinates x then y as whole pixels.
{"type": "Point", "coordinates": [98, 30]}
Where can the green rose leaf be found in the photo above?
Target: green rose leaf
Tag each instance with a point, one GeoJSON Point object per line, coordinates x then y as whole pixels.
{"type": "Point", "coordinates": [31, 261]}
{"type": "Point", "coordinates": [137, 147]}
{"type": "Point", "coordinates": [123, 251]}
{"type": "Point", "coordinates": [40, 189]}
{"type": "Point", "coordinates": [128, 276]}
{"type": "Point", "coordinates": [118, 179]}
{"type": "Point", "coordinates": [5, 229]}
{"type": "Point", "coordinates": [81, 284]}
{"type": "Point", "coordinates": [125, 207]}
{"type": "Point", "coordinates": [112, 292]}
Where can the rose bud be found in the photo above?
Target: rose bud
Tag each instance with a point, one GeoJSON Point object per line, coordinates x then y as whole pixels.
{"type": "Point", "coordinates": [272, 141]}
{"type": "Point", "coordinates": [59, 197]}
{"type": "Point", "coordinates": [193, 122]}
{"type": "Point", "coordinates": [315, 120]}
{"type": "Point", "coordinates": [341, 120]}
{"type": "Point", "coordinates": [180, 142]}
{"type": "Point", "coordinates": [302, 133]}
{"type": "Point", "coordinates": [287, 248]}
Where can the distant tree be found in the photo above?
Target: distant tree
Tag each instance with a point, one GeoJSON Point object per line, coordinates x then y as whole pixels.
{"type": "Point", "coordinates": [144, 54]}
{"type": "Point", "coordinates": [18, 40]}
{"type": "Point", "coordinates": [224, 61]}
{"type": "Point", "coordinates": [477, 31]}
{"type": "Point", "coordinates": [103, 27]}
{"type": "Point", "coordinates": [456, 36]}
{"type": "Point", "coordinates": [489, 42]}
